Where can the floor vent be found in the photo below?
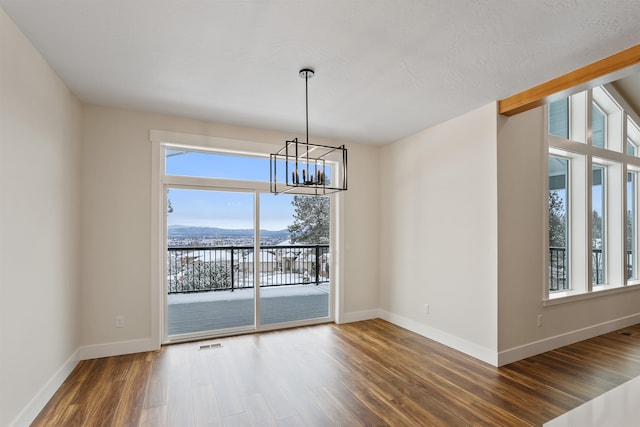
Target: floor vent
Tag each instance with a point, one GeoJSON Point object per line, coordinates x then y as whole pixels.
{"type": "Point", "coordinates": [209, 346]}
{"type": "Point", "coordinates": [627, 333]}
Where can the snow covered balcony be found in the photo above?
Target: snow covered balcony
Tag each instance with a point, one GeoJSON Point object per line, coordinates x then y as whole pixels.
{"type": "Point", "coordinates": [225, 268]}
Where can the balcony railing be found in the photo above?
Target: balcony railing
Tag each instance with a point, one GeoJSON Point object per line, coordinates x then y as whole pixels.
{"type": "Point", "coordinates": [558, 268]}
{"type": "Point", "coordinates": [201, 269]}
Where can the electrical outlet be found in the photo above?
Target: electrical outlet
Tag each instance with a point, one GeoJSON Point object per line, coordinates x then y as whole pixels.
{"type": "Point", "coordinates": [539, 320]}
{"type": "Point", "coordinates": [120, 321]}
{"type": "Point", "coordinates": [425, 308]}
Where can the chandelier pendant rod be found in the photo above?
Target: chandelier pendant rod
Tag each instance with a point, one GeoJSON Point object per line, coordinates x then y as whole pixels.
{"type": "Point", "coordinates": [326, 160]}
{"type": "Point", "coordinates": [306, 108]}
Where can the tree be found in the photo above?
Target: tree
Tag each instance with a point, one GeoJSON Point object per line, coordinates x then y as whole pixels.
{"type": "Point", "coordinates": [169, 207]}
{"type": "Point", "coordinates": [199, 276]}
{"type": "Point", "coordinates": [557, 221]}
{"type": "Point", "coordinates": [310, 219]}
{"type": "Point", "coordinates": [630, 230]}
{"type": "Point", "coordinates": [597, 230]}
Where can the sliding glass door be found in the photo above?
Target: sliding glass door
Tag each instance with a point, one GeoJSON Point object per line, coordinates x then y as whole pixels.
{"type": "Point", "coordinates": [238, 258]}
{"type": "Point", "coordinates": [294, 263]}
{"type": "Point", "coordinates": [210, 274]}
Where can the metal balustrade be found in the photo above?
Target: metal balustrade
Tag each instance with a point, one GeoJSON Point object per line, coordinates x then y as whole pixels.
{"type": "Point", "coordinates": [558, 268]}
{"type": "Point", "coordinates": [202, 269]}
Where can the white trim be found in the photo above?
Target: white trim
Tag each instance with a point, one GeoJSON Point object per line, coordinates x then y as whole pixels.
{"type": "Point", "coordinates": [205, 335]}
{"type": "Point", "coordinates": [564, 297]}
{"type": "Point", "coordinates": [221, 184]}
{"type": "Point", "coordinates": [337, 249]}
{"type": "Point", "coordinates": [294, 324]}
{"type": "Point", "coordinates": [358, 316]}
{"type": "Point", "coordinates": [157, 267]}
{"type": "Point", "coordinates": [119, 348]}
{"type": "Point", "coordinates": [546, 282]}
{"type": "Point", "coordinates": [234, 332]}
{"type": "Point", "coordinates": [583, 158]}
{"type": "Point", "coordinates": [257, 263]}
{"type": "Point", "coordinates": [552, 343]}
{"type": "Point", "coordinates": [161, 182]}
{"type": "Point", "coordinates": [467, 347]}
{"type": "Point", "coordinates": [624, 105]}
{"type": "Point", "coordinates": [198, 142]}
{"type": "Point", "coordinates": [42, 397]}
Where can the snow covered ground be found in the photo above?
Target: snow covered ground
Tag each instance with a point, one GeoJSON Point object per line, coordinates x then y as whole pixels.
{"type": "Point", "coordinates": [265, 292]}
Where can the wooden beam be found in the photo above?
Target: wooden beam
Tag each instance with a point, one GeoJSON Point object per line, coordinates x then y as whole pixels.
{"type": "Point", "coordinates": [604, 71]}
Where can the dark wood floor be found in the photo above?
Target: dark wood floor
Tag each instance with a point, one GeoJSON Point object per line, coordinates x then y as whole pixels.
{"type": "Point", "coordinates": [367, 373]}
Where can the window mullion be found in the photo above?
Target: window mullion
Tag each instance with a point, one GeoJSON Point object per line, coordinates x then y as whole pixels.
{"type": "Point", "coordinates": [603, 174]}
{"type": "Point", "coordinates": [579, 227]}
{"type": "Point", "coordinates": [580, 111]}
{"type": "Point", "coordinates": [587, 248]}
{"type": "Point", "coordinates": [635, 227]}
{"type": "Point", "coordinates": [626, 207]}
{"type": "Point", "coordinates": [615, 220]}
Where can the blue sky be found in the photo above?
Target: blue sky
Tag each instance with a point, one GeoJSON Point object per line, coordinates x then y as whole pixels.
{"type": "Point", "coordinates": [224, 209]}
{"type": "Point", "coordinates": [212, 165]}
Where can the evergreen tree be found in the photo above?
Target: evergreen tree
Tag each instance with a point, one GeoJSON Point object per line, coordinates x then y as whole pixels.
{"type": "Point", "coordinates": [557, 221]}
{"type": "Point", "coordinates": [597, 230]}
{"type": "Point", "coordinates": [629, 230]}
{"type": "Point", "coordinates": [169, 207]}
{"type": "Point", "coordinates": [310, 220]}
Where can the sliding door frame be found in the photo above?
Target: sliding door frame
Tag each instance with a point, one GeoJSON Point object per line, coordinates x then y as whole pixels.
{"type": "Point", "coordinates": [160, 140]}
{"type": "Point", "coordinates": [202, 184]}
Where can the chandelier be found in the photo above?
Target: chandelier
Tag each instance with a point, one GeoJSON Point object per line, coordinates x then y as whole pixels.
{"type": "Point", "coordinates": [301, 167]}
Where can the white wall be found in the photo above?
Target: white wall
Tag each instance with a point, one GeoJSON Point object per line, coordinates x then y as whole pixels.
{"type": "Point", "coordinates": [522, 243]}
{"type": "Point", "coordinates": [39, 174]}
{"type": "Point", "coordinates": [451, 217]}
{"type": "Point", "coordinates": [439, 233]}
{"type": "Point", "coordinates": [361, 231]}
{"type": "Point", "coordinates": [115, 211]}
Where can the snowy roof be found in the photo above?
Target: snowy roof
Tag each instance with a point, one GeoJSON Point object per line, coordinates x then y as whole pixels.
{"type": "Point", "coordinates": [265, 257]}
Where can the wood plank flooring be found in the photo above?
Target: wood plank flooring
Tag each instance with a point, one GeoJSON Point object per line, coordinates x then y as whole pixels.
{"type": "Point", "coordinates": [369, 373]}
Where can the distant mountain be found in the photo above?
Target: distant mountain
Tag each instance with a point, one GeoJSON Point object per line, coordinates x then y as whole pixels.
{"type": "Point", "coordinates": [184, 231]}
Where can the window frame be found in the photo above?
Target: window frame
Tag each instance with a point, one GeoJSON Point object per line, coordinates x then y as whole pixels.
{"type": "Point", "coordinates": [583, 156]}
{"type": "Point", "coordinates": [635, 277]}
{"type": "Point", "coordinates": [160, 140]}
{"type": "Point", "coordinates": [605, 116]}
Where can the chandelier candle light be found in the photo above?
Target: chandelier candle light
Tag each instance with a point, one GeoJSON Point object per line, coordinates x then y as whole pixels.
{"type": "Point", "coordinates": [306, 168]}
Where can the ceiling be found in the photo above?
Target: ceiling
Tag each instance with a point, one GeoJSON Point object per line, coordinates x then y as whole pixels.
{"type": "Point", "coordinates": [385, 69]}
{"type": "Point", "coordinates": [629, 88]}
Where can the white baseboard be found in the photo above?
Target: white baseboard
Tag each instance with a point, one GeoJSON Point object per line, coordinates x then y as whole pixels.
{"type": "Point", "coordinates": [474, 350]}
{"type": "Point", "coordinates": [33, 408]}
{"type": "Point", "coordinates": [357, 316]}
{"type": "Point", "coordinates": [116, 348]}
{"type": "Point", "coordinates": [517, 353]}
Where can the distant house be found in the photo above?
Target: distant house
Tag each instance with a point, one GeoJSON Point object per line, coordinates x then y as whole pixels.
{"type": "Point", "coordinates": [268, 262]}
{"type": "Point", "coordinates": [305, 262]}
{"type": "Point", "coordinates": [286, 257]}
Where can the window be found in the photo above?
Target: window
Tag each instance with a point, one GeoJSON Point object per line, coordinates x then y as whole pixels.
{"type": "Point", "coordinates": [598, 126]}
{"type": "Point", "coordinates": [631, 148]}
{"type": "Point", "coordinates": [631, 216]}
{"type": "Point", "coordinates": [558, 210]}
{"type": "Point", "coordinates": [212, 211]}
{"type": "Point", "coordinates": [598, 225]}
{"type": "Point", "coordinates": [208, 164]}
{"type": "Point", "coordinates": [593, 170]}
{"type": "Point", "coordinates": [559, 118]}
{"type": "Point", "coordinates": [633, 137]}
